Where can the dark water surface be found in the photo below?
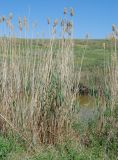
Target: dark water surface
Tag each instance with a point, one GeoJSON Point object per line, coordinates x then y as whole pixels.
{"type": "Point", "coordinates": [88, 107]}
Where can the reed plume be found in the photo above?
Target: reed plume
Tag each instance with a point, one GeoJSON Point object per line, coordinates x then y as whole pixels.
{"type": "Point", "coordinates": [71, 12]}
{"type": "Point", "coordinates": [3, 18]}
{"type": "Point", "coordinates": [20, 24]}
{"type": "Point", "coordinates": [48, 21]}
{"type": "Point", "coordinates": [65, 11]}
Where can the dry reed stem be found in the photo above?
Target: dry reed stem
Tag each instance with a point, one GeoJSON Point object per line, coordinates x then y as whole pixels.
{"type": "Point", "coordinates": [35, 87]}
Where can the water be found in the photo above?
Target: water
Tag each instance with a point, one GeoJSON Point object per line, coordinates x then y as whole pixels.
{"type": "Point", "coordinates": [88, 107]}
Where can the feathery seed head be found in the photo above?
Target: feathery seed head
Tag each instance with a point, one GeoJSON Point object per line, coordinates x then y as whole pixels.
{"type": "Point", "coordinates": [68, 27]}
{"type": "Point", "coordinates": [3, 18]}
{"type": "Point", "coordinates": [65, 11]}
{"type": "Point", "coordinates": [48, 21]}
{"type": "Point", "coordinates": [20, 23]}
{"type": "Point", "coordinates": [10, 15]}
{"type": "Point", "coordinates": [55, 23]}
{"type": "Point", "coordinates": [72, 12]}
{"type": "Point", "coordinates": [113, 28]}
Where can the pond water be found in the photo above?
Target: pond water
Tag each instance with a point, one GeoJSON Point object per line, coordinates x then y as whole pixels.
{"type": "Point", "coordinates": [88, 107]}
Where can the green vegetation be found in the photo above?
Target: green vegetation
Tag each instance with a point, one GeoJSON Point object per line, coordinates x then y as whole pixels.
{"type": "Point", "coordinates": [9, 146]}
{"type": "Point", "coordinates": [92, 144]}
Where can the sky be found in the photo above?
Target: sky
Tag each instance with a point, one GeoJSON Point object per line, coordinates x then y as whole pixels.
{"type": "Point", "coordinates": [94, 17]}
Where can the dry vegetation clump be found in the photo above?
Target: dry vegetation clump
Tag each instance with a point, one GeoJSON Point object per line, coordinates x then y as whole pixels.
{"type": "Point", "coordinates": [108, 112]}
{"type": "Point", "coordinates": [35, 84]}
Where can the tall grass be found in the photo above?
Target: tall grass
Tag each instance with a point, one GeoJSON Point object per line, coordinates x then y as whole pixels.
{"type": "Point", "coordinates": [39, 84]}
{"type": "Point", "coordinates": [36, 100]}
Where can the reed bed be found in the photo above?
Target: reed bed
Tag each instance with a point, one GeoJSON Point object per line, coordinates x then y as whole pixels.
{"type": "Point", "coordinates": [36, 100]}
{"type": "Point", "coordinates": [39, 83]}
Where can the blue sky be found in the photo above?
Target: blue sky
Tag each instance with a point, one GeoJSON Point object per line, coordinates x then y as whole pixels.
{"type": "Point", "coordinates": [91, 16]}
